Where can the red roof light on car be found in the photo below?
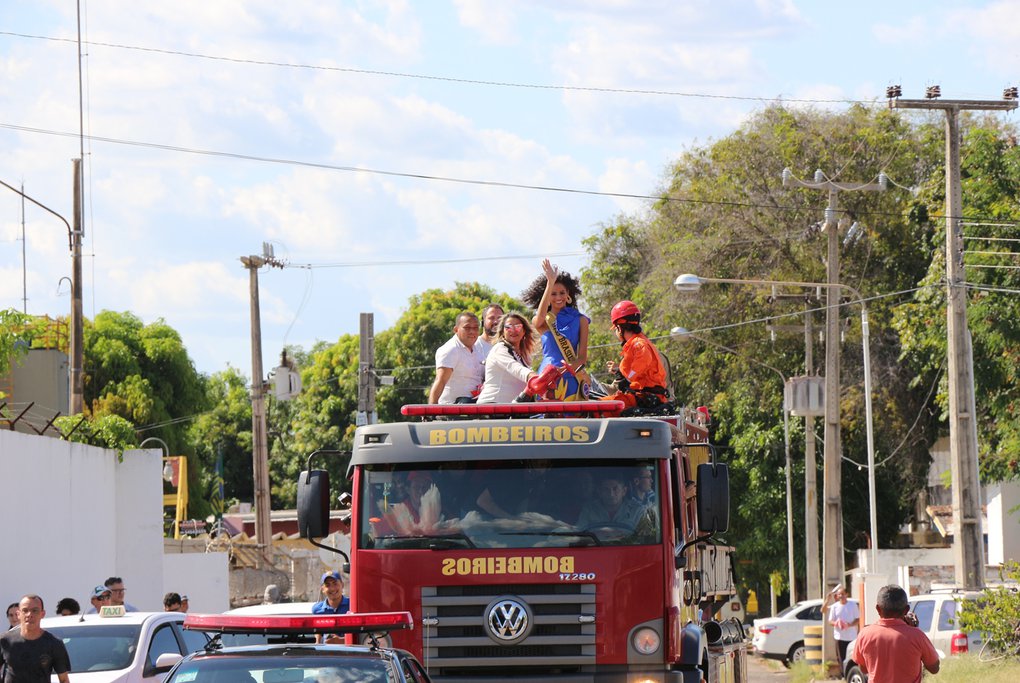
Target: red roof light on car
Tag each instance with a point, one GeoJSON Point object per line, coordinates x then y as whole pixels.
{"type": "Point", "coordinates": [312, 623]}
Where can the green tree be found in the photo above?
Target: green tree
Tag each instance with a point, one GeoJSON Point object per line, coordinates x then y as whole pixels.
{"type": "Point", "coordinates": [991, 175]}
{"type": "Point", "coordinates": [13, 339]}
{"type": "Point", "coordinates": [997, 614]}
{"type": "Point", "coordinates": [143, 374]}
{"type": "Point", "coordinates": [723, 212]}
{"type": "Point", "coordinates": [106, 431]}
{"type": "Point", "coordinates": [222, 435]}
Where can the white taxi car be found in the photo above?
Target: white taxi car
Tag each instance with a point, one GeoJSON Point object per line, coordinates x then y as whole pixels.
{"type": "Point", "coordinates": [129, 647]}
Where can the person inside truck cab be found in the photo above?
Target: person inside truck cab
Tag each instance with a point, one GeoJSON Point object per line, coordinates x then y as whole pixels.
{"type": "Point", "coordinates": [611, 506]}
{"type": "Point", "coordinates": [419, 512]}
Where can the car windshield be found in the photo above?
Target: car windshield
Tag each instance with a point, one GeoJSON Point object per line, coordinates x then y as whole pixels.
{"type": "Point", "coordinates": [292, 669]}
{"type": "Point", "coordinates": [94, 647]}
{"type": "Point", "coordinates": [510, 504]}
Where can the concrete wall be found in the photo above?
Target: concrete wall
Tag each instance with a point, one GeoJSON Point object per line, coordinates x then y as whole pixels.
{"type": "Point", "coordinates": [74, 515]}
{"type": "Point", "coordinates": [203, 577]}
{"type": "Point", "coordinates": [1003, 522]}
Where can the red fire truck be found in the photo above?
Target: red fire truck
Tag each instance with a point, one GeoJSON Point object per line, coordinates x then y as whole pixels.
{"type": "Point", "coordinates": [571, 548]}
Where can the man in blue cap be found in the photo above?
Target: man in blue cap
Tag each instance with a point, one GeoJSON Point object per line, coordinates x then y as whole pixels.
{"type": "Point", "coordinates": [333, 599]}
{"type": "Point", "coordinates": [333, 602]}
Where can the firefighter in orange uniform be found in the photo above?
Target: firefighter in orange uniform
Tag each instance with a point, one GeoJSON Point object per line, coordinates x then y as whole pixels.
{"type": "Point", "coordinates": [640, 376]}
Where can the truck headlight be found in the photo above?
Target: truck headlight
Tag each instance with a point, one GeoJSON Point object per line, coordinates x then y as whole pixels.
{"type": "Point", "coordinates": [646, 641]}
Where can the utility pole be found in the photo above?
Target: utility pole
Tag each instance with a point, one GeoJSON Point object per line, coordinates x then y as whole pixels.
{"type": "Point", "coordinates": [366, 371]}
{"type": "Point", "coordinates": [968, 540]}
{"type": "Point", "coordinates": [77, 328]}
{"type": "Point", "coordinates": [832, 521]}
{"type": "Point", "coordinates": [260, 443]}
{"type": "Point", "coordinates": [24, 259]}
{"type": "Point", "coordinates": [814, 584]}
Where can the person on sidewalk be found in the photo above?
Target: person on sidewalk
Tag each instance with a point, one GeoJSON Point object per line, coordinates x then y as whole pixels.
{"type": "Point", "coordinates": [893, 649]}
{"type": "Point", "coordinates": [845, 617]}
{"type": "Point", "coordinates": [29, 654]}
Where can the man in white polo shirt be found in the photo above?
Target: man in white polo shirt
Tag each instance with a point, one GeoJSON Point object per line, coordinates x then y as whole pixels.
{"type": "Point", "coordinates": [460, 366]}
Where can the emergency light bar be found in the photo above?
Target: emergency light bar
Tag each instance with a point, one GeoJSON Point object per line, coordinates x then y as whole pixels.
{"type": "Point", "coordinates": [291, 624]}
{"type": "Point", "coordinates": [497, 409]}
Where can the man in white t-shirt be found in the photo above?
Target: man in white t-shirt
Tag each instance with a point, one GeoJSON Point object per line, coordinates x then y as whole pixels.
{"type": "Point", "coordinates": [460, 366]}
{"type": "Point", "coordinates": [491, 316]}
{"type": "Point", "coordinates": [845, 617]}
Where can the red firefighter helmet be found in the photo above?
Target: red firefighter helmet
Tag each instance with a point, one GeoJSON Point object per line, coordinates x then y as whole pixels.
{"type": "Point", "coordinates": [624, 311]}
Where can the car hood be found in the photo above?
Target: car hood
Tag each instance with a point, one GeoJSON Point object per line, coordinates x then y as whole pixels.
{"type": "Point", "coordinates": [118, 676]}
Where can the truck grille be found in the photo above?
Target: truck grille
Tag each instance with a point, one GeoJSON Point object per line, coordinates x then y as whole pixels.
{"type": "Point", "coordinates": [457, 641]}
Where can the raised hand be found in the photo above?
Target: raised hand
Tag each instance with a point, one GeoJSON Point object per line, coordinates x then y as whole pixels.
{"type": "Point", "coordinates": [550, 270]}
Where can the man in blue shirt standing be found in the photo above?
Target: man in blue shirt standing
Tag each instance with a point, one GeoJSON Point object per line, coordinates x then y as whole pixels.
{"type": "Point", "coordinates": [333, 602]}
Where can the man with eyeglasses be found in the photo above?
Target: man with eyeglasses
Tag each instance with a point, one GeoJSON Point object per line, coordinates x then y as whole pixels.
{"type": "Point", "coordinates": [117, 592]}
{"type": "Point", "coordinates": [642, 486]}
{"type": "Point", "coordinates": [29, 654]}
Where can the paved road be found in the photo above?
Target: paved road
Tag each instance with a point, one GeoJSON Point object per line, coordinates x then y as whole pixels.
{"type": "Point", "coordinates": [760, 672]}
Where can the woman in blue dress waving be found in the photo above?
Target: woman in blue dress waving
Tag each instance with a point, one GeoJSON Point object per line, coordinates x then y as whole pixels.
{"type": "Point", "coordinates": [563, 327]}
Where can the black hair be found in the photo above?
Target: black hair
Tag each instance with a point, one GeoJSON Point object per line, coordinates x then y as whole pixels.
{"type": "Point", "coordinates": [629, 327]}
{"type": "Point", "coordinates": [69, 604]}
{"type": "Point", "coordinates": [532, 296]}
{"type": "Point", "coordinates": [892, 601]}
{"type": "Point", "coordinates": [32, 596]}
{"type": "Point", "coordinates": [171, 599]}
{"type": "Point", "coordinates": [112, 580]}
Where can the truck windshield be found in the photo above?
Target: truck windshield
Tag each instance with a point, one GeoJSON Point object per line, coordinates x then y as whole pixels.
{"type": "Point", "coordinates": [509, 504]}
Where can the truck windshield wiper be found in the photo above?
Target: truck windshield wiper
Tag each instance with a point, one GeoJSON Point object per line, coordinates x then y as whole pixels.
{"type": "Point", "coordinates": [436, 541]}
{"type": "Point", "coordinates": [582, 534]}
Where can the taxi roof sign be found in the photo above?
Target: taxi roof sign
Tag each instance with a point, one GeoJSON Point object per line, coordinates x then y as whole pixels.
{"type": "Point", "coordinates": [368, 622]}
{"type": "Point", "coordinates": [112, 611]}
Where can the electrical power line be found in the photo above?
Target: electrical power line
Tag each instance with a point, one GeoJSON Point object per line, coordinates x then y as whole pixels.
{"type": "Point", "coordinates": [439, 178]}
{"type": "Point", "coordinates": [446, 79]}
{"type": "Point", "coordinates": [420, 262]}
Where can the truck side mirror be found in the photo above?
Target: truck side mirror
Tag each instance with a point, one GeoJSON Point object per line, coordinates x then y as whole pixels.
{"type": "Point", "coordinates": [313, 504]}
{"type": "Point", "coordinates": [713, 497]}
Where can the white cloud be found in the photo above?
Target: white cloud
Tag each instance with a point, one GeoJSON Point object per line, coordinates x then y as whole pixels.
{"type": "Point", "coordinates": [623, 173]}
{"type": "Point", "coordinates": [494, 21]}
{"type": "Point", "coordinates": [994, 32]}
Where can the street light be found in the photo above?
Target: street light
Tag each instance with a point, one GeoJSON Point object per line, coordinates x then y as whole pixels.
{"type": "Point", "coordinates": [74, 245]}
{"type": "Point", "coordinates": [683, 334]}
{"type": "Point", "coordinates": [692, 283]}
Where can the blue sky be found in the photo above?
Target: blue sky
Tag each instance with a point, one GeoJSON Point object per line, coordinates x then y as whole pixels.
{"type": "Point", "coordinates": [174, 194]}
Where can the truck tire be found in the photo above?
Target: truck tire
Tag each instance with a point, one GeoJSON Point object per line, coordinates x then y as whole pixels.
{"type": "Point", "coordinates": [795, 654]}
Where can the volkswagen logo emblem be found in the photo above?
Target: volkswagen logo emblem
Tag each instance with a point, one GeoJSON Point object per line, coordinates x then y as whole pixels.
{"type": "Point", "coordinates": [508, 620]}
